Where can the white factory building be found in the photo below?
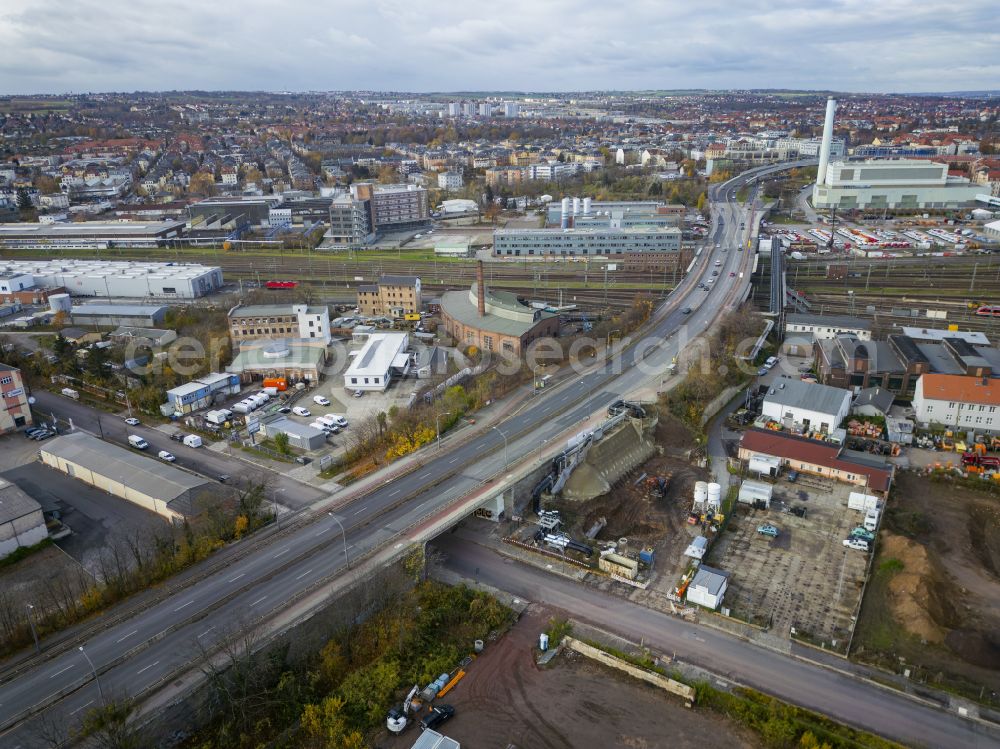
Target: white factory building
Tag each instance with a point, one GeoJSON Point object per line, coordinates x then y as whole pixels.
{"type": "Point", "coordinates": [118, 278]}
{"type": "Point", "coordinates": [382, 357]}
{"type": "Point", "coordinates": [889, 184]}
{"type": "Point", "coordinates": [806, 406]}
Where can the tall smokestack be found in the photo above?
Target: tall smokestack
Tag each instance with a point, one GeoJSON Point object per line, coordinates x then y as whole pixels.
{"type": "Point", "coordinates": [480, 289]}
{"type": "Point", "coordinates": [824, 147]}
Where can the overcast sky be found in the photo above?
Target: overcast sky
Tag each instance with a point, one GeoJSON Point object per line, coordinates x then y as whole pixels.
{"type": "Point", "coordinates": [56, 46]}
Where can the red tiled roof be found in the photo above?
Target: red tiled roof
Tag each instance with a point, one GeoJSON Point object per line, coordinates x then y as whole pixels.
{"type": "Point", "coordinates": [960, 388]}
{"type": "Point", "coordinates": [790, 447]}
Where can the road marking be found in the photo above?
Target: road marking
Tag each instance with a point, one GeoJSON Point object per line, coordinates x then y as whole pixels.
{"type": "Point", "coordinates": [74, 712]}
{"type": "Point", "coordinates": [128, 635]}
{"type": "Point", "coordinates": [62, 671]}
{"type": "Point", "coordinates": [395, 492]}
{"type": "Point", "coordinates": [184, 605]}
{"type": "Point", "coordinates": [237, 577]}
{"type": "Point", "coordinates": [452, 460]}
{"type": "Point", "coordinates": [361, 510]}
{"type": "Point", "coordinates": [206, 632]}
{"type": "Point", "coordinates": [303, 574]}
{"type": "Point", "coordinates": [424, 475]}
{"type": "Point", "coordinates": [146, 668]}
{"type": "Point", "coordinates": [321, 532]}
{"type": "Point", "coordinates": [257, 601]}
{"type": "Point", "coordinates": [283, 551]}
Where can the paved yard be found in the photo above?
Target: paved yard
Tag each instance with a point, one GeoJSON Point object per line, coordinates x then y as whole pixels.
{"type": "Point", "coordinates": [805, 578]}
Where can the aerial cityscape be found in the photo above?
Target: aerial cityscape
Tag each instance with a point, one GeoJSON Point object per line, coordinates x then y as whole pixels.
{"type": "Point", "coordinates": [400, 376]}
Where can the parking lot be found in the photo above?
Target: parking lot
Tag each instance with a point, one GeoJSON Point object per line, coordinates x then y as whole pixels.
{"type": "Point", "coordinates": [805, 578]}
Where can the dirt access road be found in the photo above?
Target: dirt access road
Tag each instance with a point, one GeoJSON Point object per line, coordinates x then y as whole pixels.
{"type": "Point", "coordinates": [573, 703]}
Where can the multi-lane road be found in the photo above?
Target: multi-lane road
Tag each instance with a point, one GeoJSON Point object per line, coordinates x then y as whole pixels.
{"type": "Point", "coordinates": [143, 650]}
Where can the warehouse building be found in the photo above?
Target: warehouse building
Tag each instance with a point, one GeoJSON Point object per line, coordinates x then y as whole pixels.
{"type": "Point", "coordinates": [607, 242]}
{"type": "Point", "coordinates": [494, 320]}
{"type": "Point", "coordinates": [296, 360]}
{"type": "Point", "coordinates": [118, 315]}
{"type": "Point", "coordinates": [21, 519]}
{"type": "Point", "coordinates": [301, 436]}
{"type": "Point", "coordinates": [149, 483]}
{"type": "Point", "coordinates": [118, 278]}
{"type": "Point", "coordinates": [90, 235]}
{"type": "Point", "coordinates": [806, 406]}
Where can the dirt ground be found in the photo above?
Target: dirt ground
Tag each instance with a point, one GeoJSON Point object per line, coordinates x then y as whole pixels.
{"type": "Point", "coordinates": [935, 598]}
{"type": "Point", "coordinates": [507, 701]}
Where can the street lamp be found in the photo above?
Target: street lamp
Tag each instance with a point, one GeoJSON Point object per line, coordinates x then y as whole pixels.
{"type": "Point", "coordinates": [504, 446]}
{"type": "Point", "coordinates": [343, 535]}
{"type": "Point", "coordinates": [96, 677]}
{"type": "Point", "coordinates": [31, 623]}
{"type": "Point", "coordinates": [437, 426]}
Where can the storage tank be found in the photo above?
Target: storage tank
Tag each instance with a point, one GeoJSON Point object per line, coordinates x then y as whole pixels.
{"type": "Point", "coordinates": [60, 303]}
{"type": "Point", "coordinates": [586, 206]}
{"type": "Point", "coordinates": [700, 492]}
{"type": "Point", "coordinates": [564, 218]}
{"type": "Point", "coordinates": [576, 207]}
{"type": "Point", "coordinates": [714, 495]}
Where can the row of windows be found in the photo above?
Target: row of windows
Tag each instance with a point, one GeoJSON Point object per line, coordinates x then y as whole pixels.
{"type": "Point", "coordinates": [6, 380]}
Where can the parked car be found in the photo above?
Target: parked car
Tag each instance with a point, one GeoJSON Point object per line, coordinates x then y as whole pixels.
{"type": "Point", "coordinates": [437, 715]}
{"type": "Point", "coordinates": [177, 437]}
{"type": "Point", "coordinates": [863, 533]}
{"type": "Point", "coordinates": [32, 431]}
{"type": "Point", "coordinates": [762, 371]}
{"type": "Point", "coordinates": [132, 421]}
{"type": "Point", "coordinates": [300, 411]}
{"type": "Point", "coordinates": [164, 455]}
{"type": "Point", "coordinates": [43, 434]}
{"type": "Point", "coordinates": [303, 460]}
{"type": "Point", "coordinates": [319, 400]}
{"type": "Point", "coordinates": [284, 410]}
{"type": "Point", "coordinates": [793, 476]}
{"type": "Point", "coordinates": [768, 530]}
{"type": "Point", "coordinates": [358, 393]}
{"type": "Point", "coordinates": [858, 544]}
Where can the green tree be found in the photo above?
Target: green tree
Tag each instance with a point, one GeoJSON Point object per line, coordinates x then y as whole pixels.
{"type": "Point", "coordinates": [281, 443]}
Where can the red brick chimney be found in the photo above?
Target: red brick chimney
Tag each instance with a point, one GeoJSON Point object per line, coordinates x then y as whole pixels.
{"type": "Point", "coordinates": [480, 289]}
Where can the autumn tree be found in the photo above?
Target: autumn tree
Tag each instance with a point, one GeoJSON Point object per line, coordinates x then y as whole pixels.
{"type": "Point", "coordinates": [202, 184]}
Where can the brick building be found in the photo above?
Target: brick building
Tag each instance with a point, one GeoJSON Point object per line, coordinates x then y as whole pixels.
{"type": "Point", "coordinates": [392, 296]}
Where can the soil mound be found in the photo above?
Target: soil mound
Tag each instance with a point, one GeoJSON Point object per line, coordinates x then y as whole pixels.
{"type": "Point", "coordinates": [914, 592]}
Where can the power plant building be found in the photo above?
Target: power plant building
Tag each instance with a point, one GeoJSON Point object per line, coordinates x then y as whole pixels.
{"type": "Point", "coordinates": [885, 184]}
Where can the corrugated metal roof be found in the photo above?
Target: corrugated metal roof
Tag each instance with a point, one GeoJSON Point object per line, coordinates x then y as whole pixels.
{"type": "Point", "coordinates": [14, 503]}
{"type": "Point", "coordinates": [807, 395]}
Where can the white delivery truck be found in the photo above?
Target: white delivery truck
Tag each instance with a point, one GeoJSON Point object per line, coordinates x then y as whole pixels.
{"type": "Point", "coordinates": [137, 442]}
{"type": "Point", "coordinates": [192, 440]}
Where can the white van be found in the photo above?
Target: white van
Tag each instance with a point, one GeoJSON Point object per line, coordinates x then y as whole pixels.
{"type": "Point", "coordinates": [871, 520]}
{"type": "Point", "coordinates": [320, 400]}
{"type": "Point", "coordinates": [339, 420]}
{"type": "Point", "coordinates": [192, 440]}
{"type": "Point", "coordinates": [771, 361]}
{"type": "Point", "coordinates": [137, 442]}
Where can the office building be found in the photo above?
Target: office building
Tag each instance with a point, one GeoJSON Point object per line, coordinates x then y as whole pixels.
{"type": "Point", "coordinates": [511, 109]}
{"type": "Point", "coordinates": [585, 242]}
{"type": "Point", "coordinates": [279, 321]}
{"type": "Point", "coordinates": [371, 209]}
{"type": "Point", "coordinates": [497, 321]}
{"type": "Point", "coordinates": [392, 296]}
{"type": "Point", "coordinates": [958, 402]}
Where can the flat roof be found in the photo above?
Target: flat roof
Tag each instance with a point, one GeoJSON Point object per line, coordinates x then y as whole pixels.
{"type": "Point", "coordinates": [14, 503]}
{"type": "Point", "coordinates": [117, 309]}
{"type": "Point", "coordinates": [378, 354]}
{"type": "Point", "coordinates": [146, 475]}
{"type": "Point", "coordinates": [932, 334]}
{"type": "Point", "coordinates": [299, 354]}
{"type": "Point", "coordinates": [829, 321]}
{"type": "Point", "coordinates": [272, 310]}
{"type": "Point", "coordinates": [89, 229]}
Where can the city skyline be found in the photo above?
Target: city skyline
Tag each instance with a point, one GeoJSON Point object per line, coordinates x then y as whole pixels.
{"type": "Point", "coordinates": [846, 46]}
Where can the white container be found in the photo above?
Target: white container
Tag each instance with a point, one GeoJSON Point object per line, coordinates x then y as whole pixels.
{"type": "Point", "coordinates": [714, 495]}
{"type": "Point", "coordinates": [700, 492]}
{"type": "Point", "coordinates": [543, 642]}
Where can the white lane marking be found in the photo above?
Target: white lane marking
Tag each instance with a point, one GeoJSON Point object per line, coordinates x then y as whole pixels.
{"type": "Point", "coordinates": [395, 492]}
{"type": "Point", "coordinates": [321, 532]}
{"type": "Point", "coordinates": [303, 574]}
{"type": "Point", "coordinates": [257, 601]}
{"type": "Point", "coordinates": [134, 631]}
{"type": "Point", "coordinates": [452, 460]}
{"type": "Point", "coordinates": [146, 668]}
{"type": "Point", "coordinates": [283, 551]}
{"type": "Point", "coordinates": [233, 580]}
{"type": "Point", "coordinates": [206, 632]}
{"type": "Point", "coordinates": [62, 671]}
{"type": "Point", "coordinates": [184, 605]}
{"type": "Point", "coordinates": [424, 475]}
{"type": "Point", "coordinates": [361, 510]}
{"type": "Point", "coordinates": [74, 712]}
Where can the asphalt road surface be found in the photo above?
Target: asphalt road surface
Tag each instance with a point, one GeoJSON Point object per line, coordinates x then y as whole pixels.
{"type": "Point", "coordinates": [143, 651]}
{"type": "Point", "coordinates": [861, 704]}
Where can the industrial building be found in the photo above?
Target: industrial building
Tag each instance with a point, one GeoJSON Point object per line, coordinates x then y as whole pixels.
{"type": "Point", "coordinates": [201, 393]}
{"type": "Point", "coordinates": [618, 214]}
{"type": "Point", "coordinates": [708, 587]}
{"type": "Point", "coordinates": [383, 358]}
{"type": "Point", "coordinates": [233, 211]}
{"type": "Point", "coordinates": [301, 436]}
{"type": "Point", "coordinates": [806, 406]}
{"type": "Point", "coordinates": [147, 337]}
{"type": "Point", "coordinates": [118, 315]}
{"type": "Point", "coordinates": [118, 278]}
{"type": "Point", "coordinates": [584, 242]}
{"type": "Point", "coordinates": [816, 327]}
{"type": "Point", "coordinates": [14, 409]}
{"type": "Point", "coordinates": [392, 296]}
{"type": "Point", "coordinates": [147, 482]}
{"type": "Point", "coordinates": [279, 321]}
{"type": "Point", "coordinates": [90, 235]}
{"type": "Point", "coordinates": [21, 519]}
{"type": "Point", "coordinates": [494, 320]}
{"type": "Point", "coordinates": [885, 184]}
{"type": "Point", "coordinates": [297, 360]}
